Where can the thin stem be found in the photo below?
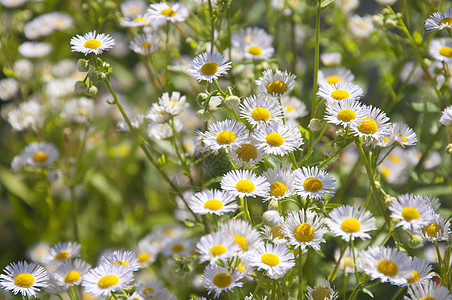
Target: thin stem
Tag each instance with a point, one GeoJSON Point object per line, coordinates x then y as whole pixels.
{"type": "Point", "coordinates": [333, 274]}
{"type": "Point", "coordinates": [311, 149]}
{"type": "Point", "coordinates": [440, 261]}
{"type": "Point", "coordinates": [300, 274]}
{"type": "Point", "coordinates": [151, 63]}
{"type": "Point", "coordinates": [114, 295]}
{"type": "Point", "coordinates": [316, 60]}
{"type": "Point", "coordinates": [428, 149]}
{"type": "Point", "coordinates": [400, 291]}
{"type": "Point", "coordinates": [259, 282]}
{"type": "Point", "coordinates": [352, 245]}
{"type": "Point", "coordinates": [212, 27]}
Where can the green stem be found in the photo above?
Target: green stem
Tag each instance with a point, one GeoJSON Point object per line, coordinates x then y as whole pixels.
{"type": "Point", "coordinates": [300, 274]}
{"type": "Point", "coordinates": [400, 291]}
{"type": "Point", "coordinates": [259, 282]}
{"type": "Point", "coordinates": [114, 295]}
{"type": "Point", "coordinates": [333, 274]}
{"type": "Point", "coordinates": [352, 246]}
{"type": "Point", "coordinates": [160, 85]}
{"type": "Point", "coordinates": [311, 149]}
{"type": "Point", "coordinates": [428, 149]}
{"type": "Point", "coordinates": [440, 262]}
{"type": "Point", "coordinates": [316, 60]}
{"type": "Point", "coordinates": [212, 27]}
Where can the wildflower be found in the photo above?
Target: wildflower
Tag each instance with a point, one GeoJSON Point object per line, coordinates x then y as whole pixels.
{"type": "Point", "coordinates": [208, 66]}
{"type": "Point", "coordinates": [79, 110]}
{"type": "Point", "coordinates": [312, 182]}
{"type": "Point", "coordinates": [280, 179]}
{"type": "Point", "coordinates": [24, 278]}
{"type": "Point", "coordinates": [345, 112]}
{"type": "Point", "coordinates": [224, 135]}
{"type": "Point", "coordinates": [23, 69]}
{"type": "Point", "coordinates": [177, 246]}
{"type": "Point", "coordinates": [323, 291]}
{"type": "Point", "coordinates": [35, 49]}
{"type": "Point", "coordinates": [439, 21]}
{"type": "Point", "coordinates": [334, 75]}
{"type": "Point", "coordinates": [215, 246]}
{"type": "Point", "coordinates": [139, 20]}
{"type": "Point", "coordinates": [242, 233]}
{"type": "Point", "coordinates": [150, 289]}
{"type": "Point", "coordinates": [120, 257]}
{"type": "Point", "coordinates": [260, 110]}
{"type": "Point", "coordinates": [278, 139]}
{"type": "Point", "coordinates": [360, 27]}
{"type": "Point", "coordinates": [446, 116]}
{"type": "Point", "coordinates": [105, 279]}
{"type": "Point", "coordinates": [9, 87]}
{"type": "Point", "coordinates": [12, 3]}
{"type": "Point", "coordinates": [254, 43]}
{"type": "Point", "coordinates": [147, 251]}
{"type": "Point", "coordinates": [404, 135]}
{"type": "Point", "coordinates": [92, 43]}
{"type": "Point", "coordinates": [412, 212]}
{"type": "Point", "coordinates": [212, 202]}
{"type": "Point", "coordinates": [172, 12]}
{"type": "Point", "coordinates": [428, 291]}
{"type": "Point", "coordinates": [441, 50]}
{"type": "Point", "coordinates": [420, 271]}
{"type": "Point", "coordinates": [39, 154]}
{"type": "Point", "coordinates": [293, 108]}
{"type": "Point", "coordinates": [435, 229]}
{"type": "Point", "coordinates": [246, 153]}
{"type": "Point", "coordinates": [145, 44]}
{"type": "Point", "coordinates": [275, 85]}
{"type": "Point", "coordinates": [70, 273]}
{"type": "Point", "coordinates": [62, 252]}
{"type": "Point", "coordinates": [373, 127]}
{"type": "Point", "coordinates": [331, 59]}
{"type": "Point", "coordinates": [275, 260]}
{"type": "Point", "coordinates": [340, 91]}
{"type": "Point", "coordinates": [244, 183]}
{"type": "Point", "coordinates": [217, 279]}
{"type": "Point", "coordinates": [132, 8]}
{"type": "Point", "coordinates": [38, 252]}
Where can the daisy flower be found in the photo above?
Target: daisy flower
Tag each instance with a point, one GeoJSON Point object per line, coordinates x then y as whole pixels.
{"type": "Point", "coordinates": [412, 212]}
{"type": "Point", "coordinates": [435, 229]}
{"type": "Point", "coordinates": [35, 49]}
{"type": "Point", "coordinates": [173, 105]}
{"type": "Point", "coordinates": [242, 233]}
{"type": "Point", "coordinates": [145, 44]}
{"type": "Point", "coordinates": [404, 135]}
{"type": "Point", "coordinates": [386, 264]}
{"type": "Point", "coordinates": [312, 182]}
{"type": "Point", "coordinates": [446, 116]}
{"type": "Point", "coordinates": [278, 139]}
{"type": "Point", "coordinates": [350, 222]}
{"type": "Point", "coordinates": [254, 42]}
{"type": "Point", "coordinates": [345, 112]}
{"type": "Point", "coordinates": [27, 115]}
{"type": "Point", "coordinates": [215, 246]}
{"type": "Point", "coordinates": [24, 278]}
{"type": "Point", "coordinates": [150, 289]}
{"type": "Point", "coordinates": [246, 154]}
{"type": "Point", "coordinates": [79, 110]}
{"type": "Point", "coordinates": [428, 291]}
{"type": "Point", "coordinates": [39, 154]}
{"type": "Point", "coordinates": [293, 108]}
{"type": "Point", "coordinates": [132, 8]}
{"type": "Point", "coordinates": [244, 183]}
{"type": "Point", "coordinates": [373, 127]}
{"type": "Point", "coordinates": [260, 110]}
{"type": "Point", "coordinates": [105, 279]}
{"type": "Point", "coordinates": [92, 43]}
{"type": "Point", "coordinates": [340, 91]}
{"type": "Point", "coordinates": [275, 85]}
{"type": "Point", "coordinates": [225, 134]}
{"type": "Point", "coordinates": [304, 229]}
{"type": "Point", "coordinates": [70, 273]}
{"type": "Point", "coordinates": [38, 252]}
{"type": "Point", "coordinates": [274, 234]}
{"type": "Point", "coordinates": [171, 12]}
{"type": "Point", "coordinates": [439, 21]}
{"type": "Point", "coordinates": [177, 246]}
{"type": "Point", "coordinates": [280, 179]}
{"type": "Point", "coordinates": [120, 257]}
{"type": "Point", "coordinates": [322, 291]}
{"type": "Point", "coordinates": [275, 260]}
{"type": "Point", "coordinates": [360, 27]}
{"type": "Point", "coordinates": [331, 58]}
{"type": "Point", "coordinates": [347, 264]}
{"type": "Point", "coordinates": [441, 49]}
{"type": "Point", "coordinates": [62, 252]}
{"type": "Point", "coordinates": [9, 87]}
{"type": "Point", "coordinates": [420, 271]}
{"type": "Point", "coordinates": [334, 75]}
{"type": "Point", "coordinates": [212, 202]}
{"type": "Point", "coordinates": [208, 66]}
{"type": "Point", "coordinates": [147, 251]}
{"type": "Point", "coordinates": [139, 20]}
{"type": "Point", "coordinates": [217, 279]}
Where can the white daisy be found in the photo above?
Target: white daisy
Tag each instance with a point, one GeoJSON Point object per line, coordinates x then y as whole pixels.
{"type": "Point", "coordinates": [218, 279]}
{"type": "Point", "coordinates": [173, 105]}
{"type": "Point", "coordinates": [171, 12]}
{"type": "Point", "coordinates": [120, 257]}
{"type": "Point", "coordinates": [150, 289]}
{"type": "Point", "coordinates": [428, 291]}
{"type": "Point", "coordinates": [39, 154]}
{"type": "Point", "coordinates": [360, 27]}
{"type": "Point", "coordinates": [350, 222]}
{"type": "Point", "coordinates": [345, 112]}
{"type": "Point", "coordinates": [278, 139]}
{"type": "Point", "coordinates": [224, 135]}
{"type": "Point", "coordinates": [439, 21]}
{"type": "Point", "coordinates": [245, 183]}
{"type": "Point", "coordinates": [412, 212]}
{"type": "Point", "coordinates": [435, 229]}
{"type": "Point", "coordinates": [9, 87]}
{"type": "Point", "coordinates": [79, 110]}
{"type": "Point", "coordinates": [212, 202]}
{"type": "Point", "coordinates": [340, 91]}
{"type": "Point", "coordinates": [446, 116]}
{"type": "Point", "coordinates": [27, 115]}
{"type": "Point", "coordinates": [334, 75]}
{"type": "Point", "coordinates": [70, 273]}
{"type": "Point", "coordinates": [331, 58]}
{"type": "Point", "coordinates": [274, 234]}
{"type": "Point", "coordinates": [24, 278]}
{"type": "Point", "coordinates": [260, 110]}
{"type": "Point", "coordinates": [132, 8]}
{"type": "Point", "coordinates": [177, 246]}
{"type": "Point", "coordinates": [441, 49]}
{"type": "Point", "coordinates": [275, 260]}
{"type": "Point", "coordinates": [145, 44]}
{"type": "Point", "coordinates": [147, 251]}
{"type": "Point", "coordinates": [280, 179]}
{"type": "Point", "coordinates": [373, 127]}
{"type": "Point", "coordinates": [420, 271]}
{"type": "Point", "coordinates": [304, 229]}
{"type": "Point", "coordinates": [215, 246]}
{"type": "Point", "coordinates": [92, 43]}
{"type": "Point", "coordinates": [139, 20]}
{"type": "Point", "coordinates": [35, 49]}
{"type": "Point", "coordinates": [312, 182]}
{"type": "Point", "coordinates": [38, 252]}
{"type": "Point", "coordinates": [293, 108]}
{"type": "Point", "coordinates": [105, 279]}
{"type": "Point", "coordinates": [208, 66]}
{"type": "Point", "coordinates": [242, 233]}
{"type": "Point", "coordinates": [347, 264]}
{"type": "Point", "coordinates": [61, 252]}
{"type": "Point", "coordinates": [322, 291]}
{"type": "Point", "coordinates": [254, 43]}
{"type": "Point", "coordinates": [245, 154]}
{"type": "Point", "coordinates": [275, 85]}
{"type": "Point", "coordinates": [404, 135]}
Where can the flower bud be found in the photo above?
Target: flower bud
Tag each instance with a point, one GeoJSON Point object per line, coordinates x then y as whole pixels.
{"type": "Point", "coordinates": [315, 124]}
{"type": "Point", "coordinates": [80, 87]}
{"type": "Point", "coordinates": [449, 149]}
{"type": "Point", "coordinates": [272, 218]}
{"type": "Point", "coordinates": [83, 65]}
{"type": "Point", "coordinates": [201, 98]}
{"type": "Point", "coordinates": [232, 102]}
{"type": "Point", "coordinates": [92, 90]}
{"type": "Point", "coordinates": [416, 241]}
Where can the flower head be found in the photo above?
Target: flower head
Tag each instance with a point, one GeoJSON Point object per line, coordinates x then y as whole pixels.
{"type": "Point", "coordinates": [208, 66]}
{"type": "Point", "coordinates": [24, 278]}
{"type": "Point", "coordinates": [92, 43]}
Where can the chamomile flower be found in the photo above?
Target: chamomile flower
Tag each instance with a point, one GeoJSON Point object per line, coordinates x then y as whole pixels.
{"type": "Point", "coordinates": [145, 44]}
{"type": "Point", "coordinates": [120, 257]}
{"type": "Point", "coordinates": [446, 116]}
{"type": "Point", "coordinates": [212, 202]}
{"type": "Point", "coordinates": [171, 12]}
{"type": "Point", "coordinates": [334, 75]}
{"type": "Point", "coordinates": [35, 49]}
{"type": "Point", "coordinates": [278, 139]}
{"type": "Point", "coordinates": [274, 234]}
{"type": "Point", "coordinates": [70, 273]}
{"type": "Point", "coordinates": [374, 126]}
{"type": "Point", "coordinates": [92, 43]}
{"type": "Point", "coordinates": [340, 91]}
{"type": "Point", "coordinates": [275, 85]}
{"type": "Point", "coordinates": [304, 229]}
{"type": "Point", "coordinates": [441, 49]}
{"type": "Point", "coordinates": [412, 212]}
{"type": "Point", "coordinates": [254, 43]}
{"type": "Point", "coordinates": [322, 291]}
{"type": "Point", "coordinates": [225, 134]}
{"type": "Point", "coordinates": [39, 154]}
{"type": "Point", "coordinates": [280, 179]}
{"type": "Point", "coordinates": [24, 278]}
{"type": "Point", "coordinates": [217, 279]}
{"type": "Point", "coordinates": [360, 27]}
{"type": "Point", "coordinates": [345, 112]}
{"type": "Point", "coordinates": [293, 108]}
{"type": "Point", "coordinates": [105, 279]}
{"type": "Point", "coordinates": [435, 229]}
{"type": "Point", "coordinates": [420, 271]}
{"type": "Point", "coordinates": [245, 183]}
{"type": "Point", "coordinates": [350, 222]}
{"type": "Point", "coordinates": [312, 182]}
{"type": "Point", "coordinates": [346, 262]}
{"type": "Point", "coordinates": [275, 260]}
{"type": "Point", "coordinates": [173, 105]}
{"type": "Point", "coordinates": [62, 252]}
{"type": "Point", "coordinates": [208, 66]}
{"type": "Point", "coordinates": [147, 250]}
{"type": "Point", "coordinates": [439, 21]}
{"type": "Point", "coordinates": [177, 246]}
{"type": "Point", "coordinates": [260, 110]}
{"type": "Point", "coordinates": [246, 154]}
{"type": "Point", "coordinates": [215, 246]}
{"type": "Point", "coordinates": [242, 233]}
{"type": "Point", "coordinates": [428, 291]}
{"type": "Point", "coordinates": [404, 135]}
{"type": "Point", "coordinates": [386, 264]}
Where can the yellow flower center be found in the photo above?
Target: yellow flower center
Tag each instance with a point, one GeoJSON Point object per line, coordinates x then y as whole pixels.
{"type": "Point", "coordinates": [168, 12]}
{"type": "Point", "coordinates": [260, 114]}
{"type": "Point", "coordinates": [83, 112]}
{"type": "Point", "coordinates": [304, 233]}
{"type": "Point", "coordinates": [277, 233]}
{"type": "Point", "coordinates": [143, 257]}
{"type": "Point", "coordinates": [340, 94]}
{"type": "Point", "coordinates": [415, 277]}
{"type": "Point", "coordinates": [222, 280]}
{"type": "Point", "coordinates": [107, 281]}
{"type": "Point", "coordinates": [447, 21]}
{"type": "Point", "coordinates": [241, 268]}
{"type": "Point", "coordinates": [254, 50]}
{"type": "Point", "coordinates": [146, 45]}
{"type": "Point", "coordinates": [62, 255]}
{"type": "Point", "coordinates": [245, 186]}
{"type": "Point", "coordinates": [445, 51]}
{"type": "Point", "coordinates": [346, 115]}
{"type": "Point", "coordinates": [270, 259]}
{"type": "Point", "coordinates": [312, 184]}
{"type": "Point", "coordinates": [367, 126]}
{"type": "Point", "coordinates": [148, 291]}
{"type": "Point", "coordinates": [410, 213]}
{"type": "Point", "coordinates": [209, 68]}
{"type": "Point", "coordinates": [278, 189]}
{"type": "Point", "coordinates": [213, 204]}
{"type": "Point", "coordinates": [177, 248]}
{"type": "Point", "coordinates": [350, 225]}
{"type": "Point", "coordinates": [427, 298]}
{"type": "Point", "coordinates": [401, 137]}
{"type": "Point", "coordinates": [241, 241]}
{"type": "Point", "coordinates": [141, 19]}
{"type": "Point", "coordinates": [40, 157]}
{"type": "Point", "coordinates": [289, 107]}
{"type": "Point", "coordinates": [395, 158]}
{"type": "Point", "coordinates": [274, 139]}
{"type": "Point", "coordinates": [387, 267]}
{"type": "Point", "coordinates": [225, 137]}
{"type": "Point", "coordinates": [321, 293]}
{"type": "Point", "coordinates": [217, 250]}
{"type": "Point", "coordinates": [333, 79]}
{"type": "Point", "coordinates": [24, 280]}
{"type": "Point", "coordinates": [246, 152]}
{"type": "Point", "coordinates": [276, 87]}
{"type": "Point", "coordinates": [432, 230]}
{"type": "Point", "coordinates": [92, 44]}
{"type": "Point", "coordinates": [385, 171]}
{"type": "Point", "coordinates": [348, 262]}
{"type": "Point", "coordinates": [122, 263]}
{"type": "Point", "coordinates": [72, 277]}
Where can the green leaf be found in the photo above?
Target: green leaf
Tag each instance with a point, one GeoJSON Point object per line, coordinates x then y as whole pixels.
{"type": "Point", "coordinates": [108, 190]}
{"type": "Point", "coordinates": [326, 3]}
{"type": "Point", "coordinates": [15, 186]}
{"type": "Point", "coordinates": [368, 292]}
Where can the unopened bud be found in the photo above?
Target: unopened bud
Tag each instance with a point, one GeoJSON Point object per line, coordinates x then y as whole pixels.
{"type": "Point", "coordinates": [273, 204]}
{"type": "Point", "coordinates": [232, 102]}
{"type": "Point", "coordinates": [272, 218]}
{"type": "Point", "coordinates": [315, 124]}
{"type": "Point", "coordinates": [92, 90]}
{"type": "Point", "coordinates": [80, 87]}
{"type": "Point", "coordinates": [378, 19]}
{"type": "Point", "coordinates": [203, 115]}
{"type": "Point", "coordinates": [83, 65]}
{"type": "Point", "coordinates": [201, 98]}
{"type": "Point", "coordinates": [390, 23]}
{"type": "Point", "coordinates": [416, 241]}
{"type": "Point", "coordinates": [389, 199]}
{"type": "Point", "coordinates": [449, 148]}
